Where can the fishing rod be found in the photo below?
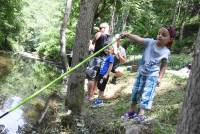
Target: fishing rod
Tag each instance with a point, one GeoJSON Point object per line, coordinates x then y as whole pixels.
{"type": "Point", "coordinates": [27, 99]}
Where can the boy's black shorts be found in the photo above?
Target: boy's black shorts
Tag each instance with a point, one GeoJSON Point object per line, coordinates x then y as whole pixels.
{"type": "Point", "coordinates": [101, 83]}
{"type": "Point", "coordinates": [113, 69]}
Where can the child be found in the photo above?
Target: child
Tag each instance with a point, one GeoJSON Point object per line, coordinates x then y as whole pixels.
{"type": "Point", "coordinates": [103, 76]}
{"type": "Point", "coordinates": [119, 58]}
{"type": "Point", "coordinates": [151, 70]}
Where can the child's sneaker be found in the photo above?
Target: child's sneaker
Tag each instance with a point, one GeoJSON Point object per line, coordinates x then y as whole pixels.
{"type": "Point", "coordinates": [97, 103]}
{"type": "Point", "coordinates": [129, 115]}
{"type": "Point", "coordinates": [139, 118]}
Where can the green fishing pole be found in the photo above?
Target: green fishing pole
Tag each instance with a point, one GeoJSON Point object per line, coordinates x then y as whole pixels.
{"type": "Point", "coordinates": [27, 99]}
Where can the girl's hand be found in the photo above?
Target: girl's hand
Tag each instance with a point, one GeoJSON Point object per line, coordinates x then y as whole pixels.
{"type": "Point", "coordinates": [105, 76]}
{"type": "Point", "coordinates": [125, 34]}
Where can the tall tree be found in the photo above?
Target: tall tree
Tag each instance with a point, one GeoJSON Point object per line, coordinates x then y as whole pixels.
{"type": "Point", "coordinates": [112, 21]}
{"type": "Point", "coordinates": [75, 91]}
{"type": "Point", "coordinates": [190, 115]}
{"type": "Point", "coordinates": [124, 17]}
{"type": "Point", "coordinates": [10, 22]}
{"type": "Point", "coordinates": [68, 7]}
{"type": "Point", "coordinates": [176, 12]}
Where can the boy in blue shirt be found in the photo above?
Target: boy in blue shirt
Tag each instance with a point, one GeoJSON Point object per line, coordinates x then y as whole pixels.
{"type": "Point", "coordinates": [103, 76]}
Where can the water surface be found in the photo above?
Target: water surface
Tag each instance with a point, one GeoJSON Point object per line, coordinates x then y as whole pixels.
{"type": "Point", "coordinates": [20, 78]}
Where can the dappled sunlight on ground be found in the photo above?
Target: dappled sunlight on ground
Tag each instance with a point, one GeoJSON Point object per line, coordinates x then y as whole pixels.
{"type": "Point", "coordinates": [125, 84]}
{"type": "Point", "coordinates": [168, 98]}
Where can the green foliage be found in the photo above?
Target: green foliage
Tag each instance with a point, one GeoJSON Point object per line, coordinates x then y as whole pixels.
{"type": "Point", "coordinates": [48, 50]}
{"type": "Point", "coordinates": [10, 22]}
{"type": "Point", "coordinates": [160, 128]}
{"type": "Point", "coordinates": [134, 49]}
{"type": "Point", "coordinates": [49, 47]}
{"type": "Point", "coordinates": [23, 77]}
{"type": "Point", "coordinates": [147, 16]}
{"type": "Point", "coordinates": [41, 24]}
{"type": "Point", "coordinates": [186, 45]}
{"type": "Point", "coordinates": [178, 61]}
{"type": "Point", "coordinates": [41, 32]}
{"type": "Point", "coordinates": [166, 111]}
{"type": "Point", "coordinates": [33, 25]}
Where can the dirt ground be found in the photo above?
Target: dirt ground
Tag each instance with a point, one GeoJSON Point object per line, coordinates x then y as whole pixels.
{"type": "Point", "coordinates": [107, 119]}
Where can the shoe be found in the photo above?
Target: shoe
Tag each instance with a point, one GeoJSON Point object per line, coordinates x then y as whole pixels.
{"type": "Point", "coordinates": [97, 103]}
{"type": "Point", "coordinates": [139, 118]}
{"type": "Point", "coordinates": [129, 115]}
{"type": "Point", "coordinates": [114, 80]}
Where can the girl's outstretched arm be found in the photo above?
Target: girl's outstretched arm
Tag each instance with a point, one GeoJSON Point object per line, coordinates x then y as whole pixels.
{"type": "Point", "coordinates": [134, 37]}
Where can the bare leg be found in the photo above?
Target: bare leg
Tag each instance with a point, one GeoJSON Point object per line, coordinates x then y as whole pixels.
{"type": "Point", "coordinates": [101, 94]}
{"type": "Point", "coordinates": [142, 111]}
{"type": "Point", "coordinates": [132, 107]}
{"type": "Point", "coordinates": [118, 74]}
{"type": "Point", "coordinates": [90, 89]}
{"type": "Point", "coordinates": [94, 89]}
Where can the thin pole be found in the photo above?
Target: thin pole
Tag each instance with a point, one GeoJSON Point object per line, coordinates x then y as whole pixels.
{"type": "Point", "coordinates": [27, 99]}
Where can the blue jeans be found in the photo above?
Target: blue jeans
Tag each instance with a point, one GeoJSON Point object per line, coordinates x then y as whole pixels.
{"type": "Point", "coordinates": [143, 91]}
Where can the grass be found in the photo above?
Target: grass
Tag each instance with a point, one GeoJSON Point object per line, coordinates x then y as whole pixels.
{"type": "Point", "coordinates": [178, 61]}
{"type": "Point", "coordinates": [165, 111]}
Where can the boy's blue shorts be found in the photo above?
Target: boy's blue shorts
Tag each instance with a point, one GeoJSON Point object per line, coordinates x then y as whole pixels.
{"type": "Point", "coordinates": [143, 91]}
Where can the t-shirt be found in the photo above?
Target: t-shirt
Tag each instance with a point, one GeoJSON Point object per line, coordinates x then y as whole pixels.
{"type": "Point", "coordinates": [105, 64]}
{"type": "Point", "coordinates": [116, 50]}
{"type": "Point", "coordinates": [103, 40]}
{"type": "Point", "coordinates": [152, 56]}
{"type": "Point", "coordinates": [122, 51]}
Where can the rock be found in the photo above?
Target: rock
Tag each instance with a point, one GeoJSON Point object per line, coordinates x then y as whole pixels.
{"type": "Point", "coordinates": [132, 129]}
{"type": "Point", "coordinates": [2, 127]}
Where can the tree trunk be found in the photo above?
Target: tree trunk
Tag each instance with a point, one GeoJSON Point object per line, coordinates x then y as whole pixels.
{"type": "Point", "coordinates": [179, 11]}
{"type": "Point", "coordinates": [75, 91]}
{"type": "Point", "coordinates": [125, 16]}
{"type": "Point", "coordinates": [190, 115]}
{"type": "Point", "coordinates": [62, 35]}
{"type": "Point", "coordinates": [181, 31]}
{"type": "Point", "coordinates": [175, 13]}
{"type": "Point", "coordinates": [112, 21]}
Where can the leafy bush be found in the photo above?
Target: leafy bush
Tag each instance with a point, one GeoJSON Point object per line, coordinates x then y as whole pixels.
{"type": "Point", "coordinates": [53, 52]}
{"type": "Point", "coordinates": [132, 49]}
{"type": "Point", "coordinates": [49, 50]}
{"type": "Point", "coordinates": [178, 61]}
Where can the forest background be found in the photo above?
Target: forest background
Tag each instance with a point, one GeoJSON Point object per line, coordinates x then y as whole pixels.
{"type": "Point", "coordinates": [33, 25]}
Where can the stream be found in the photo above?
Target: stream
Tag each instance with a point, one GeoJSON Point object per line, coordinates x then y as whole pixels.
{"type": "Point", "coordinates": [19, 78]}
